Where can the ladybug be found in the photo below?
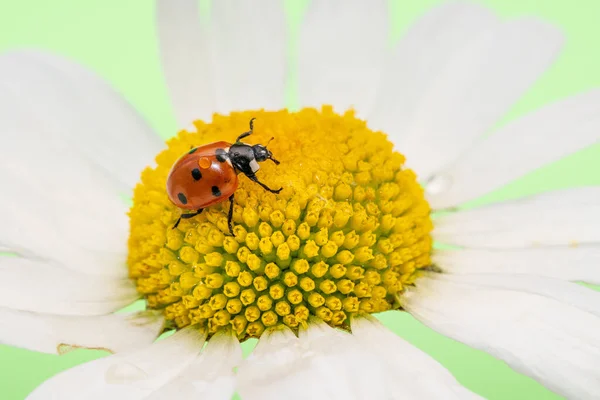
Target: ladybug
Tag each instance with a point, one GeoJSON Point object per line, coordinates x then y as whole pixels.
{"type": "Point", "coordinates": [207, 175]}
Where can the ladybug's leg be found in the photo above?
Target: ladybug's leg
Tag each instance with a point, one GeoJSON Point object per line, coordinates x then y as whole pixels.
{"type": "Point", "coordinates": [246, 134]}
{"type": "Point", "coordinates": [230, 215]}
{"type": "Point", "coordinates": [255, 179]}
{"type": "Point", "coordinates": [187, 216]}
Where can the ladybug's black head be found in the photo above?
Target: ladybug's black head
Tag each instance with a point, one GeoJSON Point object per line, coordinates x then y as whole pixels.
{"type": "Point", "coordinates": [261, 153]}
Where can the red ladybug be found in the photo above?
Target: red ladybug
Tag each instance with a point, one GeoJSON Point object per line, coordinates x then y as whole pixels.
{"type": "Point", "coordinates": [207, 175]}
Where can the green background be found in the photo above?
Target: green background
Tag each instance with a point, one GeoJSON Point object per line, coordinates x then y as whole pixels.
{"type": "Point", "coordinates": [117, 39]}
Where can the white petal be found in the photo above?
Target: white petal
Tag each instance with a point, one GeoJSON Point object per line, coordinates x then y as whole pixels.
{"type": "Point", "coordinates": [186, 60]}
{"type": "Point", "coordinates": [131, 375]}
{"type": "Point", "coordinates": [63, 101]}
{"type": "Point", "coordinates": [337, 354]}
{"type": "Point", "coordinates": [428, 46]}
{"type": "Point", "coordinates": [519, 148]}
{"type": "Point", "coordinates": [45, 287]}
{"type": "Point", "coordinates": [272, 366]}
{"type": "Point", "coordinates": [208, 377]}
{"type": "Point", "coordinates": [66, 211]}
{"type": "Point", "coordinates": [234, 61]}
{"type": "Point", "coordinates": [342, 47]}
{"type": "Point", "coordinates": [283, 366]}
{"type": "Point", "coordinates": [530, 327]}
{"type": "Point", "coordinates": [557, 218]}
{"type": "Point", "coordinates": [404, 365]}
{"type": "Point", "coordinates": [474, 89]}
{"type": "Point", "coordinates": [566, 292]}
{"type": "Point", "coordinates": [249, 45]}
{"type": "Point", "coordinates": [59, 333]}
{"type": "Point", "coordinates": [71, 146]}
{"type": "Point", "coordinates": [573, 263]}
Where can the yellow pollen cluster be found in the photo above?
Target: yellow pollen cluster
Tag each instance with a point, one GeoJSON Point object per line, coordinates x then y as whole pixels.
{"type": "Point", "coordinates": [348, 230]}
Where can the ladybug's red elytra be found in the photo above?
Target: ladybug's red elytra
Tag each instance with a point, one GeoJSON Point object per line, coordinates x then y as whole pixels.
{"type": "Point", "coordinates": [207, 175]}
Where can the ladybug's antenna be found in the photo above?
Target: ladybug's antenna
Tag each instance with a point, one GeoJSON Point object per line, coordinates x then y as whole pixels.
{"type": "Point", "coordinates": [273, 159]}
{"type": "Point", "coordinates": [246, 134]}
{"type": "Point", "coordinates": [271, 154]}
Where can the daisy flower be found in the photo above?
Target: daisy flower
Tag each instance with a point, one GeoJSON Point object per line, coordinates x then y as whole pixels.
{"type": "Point", "coordinates": [386, 148]}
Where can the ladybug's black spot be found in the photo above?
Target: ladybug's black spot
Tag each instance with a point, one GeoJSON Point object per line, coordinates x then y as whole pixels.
{"type": "Point", "coordinates": [182, 198]}
{"type": "Point", "coordinates": [196, 174]}
{"type": "Point", "coordinates": [221, 155]}
{"type": "Point", "coordinates": [215, 191]}
{"type": "Point", "coordinates": [193, 150]}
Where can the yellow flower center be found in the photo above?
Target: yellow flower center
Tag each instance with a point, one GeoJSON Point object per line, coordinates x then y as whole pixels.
{"type": "Point", "coordinates": [349, 229]}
